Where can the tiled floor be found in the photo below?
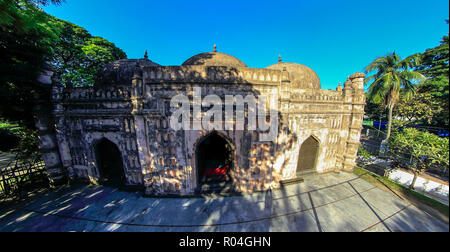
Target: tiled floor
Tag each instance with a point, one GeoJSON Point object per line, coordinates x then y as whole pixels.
{"type": "Point", "coordinates": [327, 202]}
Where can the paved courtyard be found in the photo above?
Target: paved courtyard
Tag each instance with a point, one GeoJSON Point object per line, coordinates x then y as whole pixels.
{"type": "Point", "coordinates": [327, 202]}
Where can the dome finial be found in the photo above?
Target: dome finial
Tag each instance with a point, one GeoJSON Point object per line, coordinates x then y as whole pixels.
{"type": "Point", "coordinates": [146, 55]}
{"type": "Point", "coordinates": [279, 58]}
{"type": "Point", "coordinates": [215, 48]}
{"type": "Point", "coordinates": [339, 87]}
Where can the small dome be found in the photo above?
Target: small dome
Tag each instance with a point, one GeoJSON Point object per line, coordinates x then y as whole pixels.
{"type": "Point", "coordinates": [120, 72]}
{"type": "Point", "coordinates": [214, 59]}
{"type": "Point", "coordinates": [301, 76]}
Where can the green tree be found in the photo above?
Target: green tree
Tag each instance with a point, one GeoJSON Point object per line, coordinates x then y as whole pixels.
{"type": "Point", "coordinates": [30, 38]}
{"type": "Point", "coordinates": [374, 111]}
{"type": "Point", "coordinates": [420, 108]}
{"type": "Point", "coordinates": [22, 13]}
{"type": "Point", "coordinates": [420, 150]}
{"type": "Point", "coordinates": [25, 44]}
{"type": "Point", "coordinates": [391, 75]}
{"type": "Point", "coordinates": [435, 61]}
{"type": "Point", "coordinates": [78, 55]}
{"type": "Point", "coordinates": [434, 64]}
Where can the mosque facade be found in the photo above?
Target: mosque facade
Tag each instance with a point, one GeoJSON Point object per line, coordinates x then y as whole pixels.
{"type": "Point", "coordinates": [120, 130]}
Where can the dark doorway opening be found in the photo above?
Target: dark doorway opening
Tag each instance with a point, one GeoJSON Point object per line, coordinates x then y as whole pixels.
{"type": "Point", "coordinates": [307, 156]}
{"type": "Point", "coordinates": [109, 164]}
{"type": "Point", "coordinates": [214, 163]}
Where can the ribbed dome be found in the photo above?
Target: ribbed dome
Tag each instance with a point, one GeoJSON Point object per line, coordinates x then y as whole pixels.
{"type": "Point", "coordinates": [301, 76]}
{"type": "Point", "coordinates": [214, 59]}
{"type": "Point", "coordinates": [120, 72]}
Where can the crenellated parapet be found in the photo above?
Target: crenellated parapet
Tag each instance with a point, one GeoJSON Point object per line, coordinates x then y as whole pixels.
{"type": "Point", "coordinates": [210, 75]}
{"type": "Point", "coordinates": [130, 108]}
{"type": "Point", "coordinates": [314, 96]}
{"type": "Point", "coordinates": [91, 94]}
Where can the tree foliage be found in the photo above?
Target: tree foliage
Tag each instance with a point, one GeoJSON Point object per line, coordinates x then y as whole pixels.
{"type": "Point", "coordinates": [78, 55]}
{"type": "Point", "coordinates": [25, 44]}
{"type": "Point", "coordinates": [422, 148]}
{"type": "Point", "coordinates": [374, 111]}
{"type": "Point", "coordinates": [391, 77]}
{"type": "Point", "coordinates": [435, 61]}
{"type": "Point", "coordinates": [29, 38]}
{"type": "Point", "coordinates": [434, 64]}
{"type": "Point", "coordinates": [421, 108]}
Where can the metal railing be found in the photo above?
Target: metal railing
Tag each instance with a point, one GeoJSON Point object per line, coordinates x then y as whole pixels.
{"type": "Point", "coordinates": [383, 158]}
{"type": "Point", "coordinates": [20, 175]}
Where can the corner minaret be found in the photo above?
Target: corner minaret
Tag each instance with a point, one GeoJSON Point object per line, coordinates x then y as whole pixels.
{"type": "Point", "coordinates": [354, 101]}
{"type": "Point", "coordinates": [45, 120]}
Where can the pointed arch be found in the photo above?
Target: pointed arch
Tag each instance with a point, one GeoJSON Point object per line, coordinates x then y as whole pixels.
{"type": "Point", "coordinates": [109, 162]}
{"type": "Point", "coordinates": [308, 155]}
{"type": "Point", "coordinates": [215, 156]}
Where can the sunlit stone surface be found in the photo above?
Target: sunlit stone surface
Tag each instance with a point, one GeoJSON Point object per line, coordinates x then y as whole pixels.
{"type": "Point", "coordinates": [129, 109]}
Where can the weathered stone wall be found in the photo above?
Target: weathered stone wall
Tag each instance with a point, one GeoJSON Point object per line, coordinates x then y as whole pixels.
{"type": "Point", "coordinates": [85, 116]}
{"type": "Point", "coordinates": [171, 154]}
{"type": "Point", "coordinates": [135, 117]}
{"type": "Point", "coordinates": [44, 121]}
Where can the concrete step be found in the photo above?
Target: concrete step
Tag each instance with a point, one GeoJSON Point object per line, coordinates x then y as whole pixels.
{"type": "Point", "coordinates": [219, 187]}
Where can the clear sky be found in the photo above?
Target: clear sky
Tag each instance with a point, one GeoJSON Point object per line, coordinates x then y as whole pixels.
{"type": "Point", "coordinates": [334, 38]}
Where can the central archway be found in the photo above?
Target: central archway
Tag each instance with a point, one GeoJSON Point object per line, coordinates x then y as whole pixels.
{"type": "Point", "coordinates": [109, 163]}
{"type": "Point", "coordinates": [214, 160]}
{"type": "Point", "coordinates": [307, 156]}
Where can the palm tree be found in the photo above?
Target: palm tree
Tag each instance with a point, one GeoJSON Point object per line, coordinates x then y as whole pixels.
{"type": "Point", "coordinates": [392, 77]}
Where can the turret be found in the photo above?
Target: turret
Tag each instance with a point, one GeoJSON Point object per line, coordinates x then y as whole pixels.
{"type": "Point", "coordinates": [45, 125]}
{"type": "Point", "coordinates": [354, 103]}
{"type": "Point", "coordinates": [138, 88]}
{"type": "Point", "coordinates": [357, 83]}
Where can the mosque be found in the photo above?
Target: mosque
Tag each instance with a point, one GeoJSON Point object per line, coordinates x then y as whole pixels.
{"type": "Point", "coordinates": [119, 131]}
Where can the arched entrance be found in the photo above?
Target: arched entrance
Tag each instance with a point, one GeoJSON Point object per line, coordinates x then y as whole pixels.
{"type": "Point", "coordinates": [307, 156]}
{"type": "Point", "coordinates": [214, 160]}
{"type": "Point", "coordinates": [109, 163]}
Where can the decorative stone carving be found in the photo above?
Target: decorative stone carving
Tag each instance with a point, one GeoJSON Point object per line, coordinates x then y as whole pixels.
{"type": "Point", "coordinates": [130, 106]}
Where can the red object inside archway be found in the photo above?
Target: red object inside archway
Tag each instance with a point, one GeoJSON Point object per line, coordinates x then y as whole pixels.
{"type": "Point", "coordinates": [217, 171]}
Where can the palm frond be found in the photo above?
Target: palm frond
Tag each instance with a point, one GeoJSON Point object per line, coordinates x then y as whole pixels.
{"type": "Point", "coordinates": [378, 65]}
{"type": "Point", "coordinates": [379, 89]}
{"type": "Point", "coordinates": [412, 76]}
{"type": "Point", "coordinates": [411, 61]}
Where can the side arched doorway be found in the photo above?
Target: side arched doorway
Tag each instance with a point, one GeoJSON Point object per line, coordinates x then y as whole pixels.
{"type": "Point", "coordinates": [307, 156]}
{"type": "Point", "coordinates": [109, 163]}
{"type": "Point", "coordinates": [214, 160]}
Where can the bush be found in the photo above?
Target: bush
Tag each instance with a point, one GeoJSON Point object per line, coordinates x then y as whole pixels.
{"type": "Point", "coordinates": [17, 139]}
{"type": "Point", "coordinates": [28, 145]}
{"type": "Point", "coordinates": [363, 152]}
{"type": "Point", "coordinates": [419, 150]}
{"type": "Point", "coordinates": [8, 140]}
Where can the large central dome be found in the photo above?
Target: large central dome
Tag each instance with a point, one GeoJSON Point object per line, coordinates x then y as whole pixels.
{"type": "Point", "coordinates": [214, 59]}
{"type": "Point", "coordinates": [301, 76]}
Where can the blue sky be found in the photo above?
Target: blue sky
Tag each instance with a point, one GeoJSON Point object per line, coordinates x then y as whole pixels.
{"type": "Point", "coordinates": [334, 38]}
